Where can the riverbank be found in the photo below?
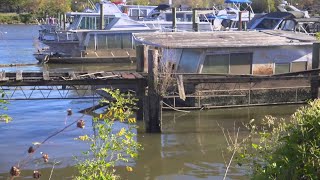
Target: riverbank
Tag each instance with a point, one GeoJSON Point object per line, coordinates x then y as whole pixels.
{"type": "Point", "coordinates": [14, 18]}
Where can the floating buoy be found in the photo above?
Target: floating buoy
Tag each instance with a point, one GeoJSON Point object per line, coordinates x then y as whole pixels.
{"type": "Point", "coordinates": [31, 150]}
{"type": "Point", "coordinates": [69, 112]}
{"type": "Point", "coordinates": [80, 124]}
{"type": "Point", "coordinates": [36, 174]}
{"type": "Point", "coordinates": [14, 171]}
{"type": "Point", "coordinates": [45, 157]}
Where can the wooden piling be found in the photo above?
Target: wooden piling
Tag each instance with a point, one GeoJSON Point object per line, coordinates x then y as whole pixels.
{"type": "Point", "coordinates": [152, 107]}
{"type": "Point", "coordinates": [174, 19]}
{"type": "Point", "coordinates": [195, 20]}
{"type": "Point", "coordinates": [141, 93]}
{"type": "Point", "coordinates": [240, 21]}
{"type": "Point", "coordinates": [315, 65]}
{"type": "Point", "coordinates": [140, 58]}
{"type": "Point", "coordinates": [101, 17]}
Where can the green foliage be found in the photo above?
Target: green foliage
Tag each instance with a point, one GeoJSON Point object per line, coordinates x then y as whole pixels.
{"type": "Point", "coordinates": [10, 18]}
{"type": "Point", "coordinates": [13, 18]}
{"type": "Point", "coordinates": [318, 36]}
{"type": "Point", "coordinates": [3, 107]}
{"type": "Point", "coordinates": [25, 18]}
{"type": "Point", "coordinates": [263, 6]}
{"type": "Point", "coordinates": [277, 149]}
{"type": "Point", "coordinates": [108, 148]}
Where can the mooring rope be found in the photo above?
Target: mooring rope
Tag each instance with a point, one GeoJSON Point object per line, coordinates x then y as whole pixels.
{"type": "Point", "coordinates": [179, 110]}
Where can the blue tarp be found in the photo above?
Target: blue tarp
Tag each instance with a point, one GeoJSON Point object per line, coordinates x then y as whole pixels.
{"type": "Point", "coordinates": [237, 1]}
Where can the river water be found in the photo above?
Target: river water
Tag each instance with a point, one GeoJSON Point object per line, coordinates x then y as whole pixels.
{"type": "Point", "coordinates": [190, 146]}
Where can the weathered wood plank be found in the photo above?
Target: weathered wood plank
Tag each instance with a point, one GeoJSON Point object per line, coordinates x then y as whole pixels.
{"type": "Point", "coordinates": [46, 75]}
{"type": "Point", "coordinates": [182, 93]}
{"type": "Point", "coordinates": [72, 75]}
{"type": "Point", "coordinates": [128, 76]}
{"type": "Point", "coordinates": [3, 76]}
{"type": "Point", "coordinates": [137, 75]}
{"type": "Point", "coordinates": [19, 76]}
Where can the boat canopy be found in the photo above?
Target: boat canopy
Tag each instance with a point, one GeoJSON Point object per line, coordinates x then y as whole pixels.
{"type": "Point", "coordinates": [237, 1]}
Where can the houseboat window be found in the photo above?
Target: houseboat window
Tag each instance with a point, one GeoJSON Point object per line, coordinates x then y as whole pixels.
{"type": "Point", "coordinates": [91, 43]}
{"type": "Point", "coordinates": [188, 17]}
{"type": "Point", "coordinates": [114, 41]}
{"type": "Point", "coordinates": [298, 66]}
{"type": "Point", "coordinates": [216, 64]}
{"type": "Point", "coordinates": [189, 61]}
{"type": "Point", "coordinates": [126, 41]}
{"type": "Point", "coordinates": [101, 41]}
{"type": "Point", "coordinates": [240, 63]}
{"type": "Point", "coordinates": [134, 13]}
{"type": "Point", "coordinates": [88, 23]}
{"type": "Point", "coordinates": [268, 24]}
{"type": "Point", "coordinates": [234, 63]}
{"type": "Point", "coordinates": [280, 68]}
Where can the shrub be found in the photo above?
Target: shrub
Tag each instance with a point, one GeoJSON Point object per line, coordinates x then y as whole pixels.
{"type": "Point", "coordinates": [279, 149]}
{"type": "Point", "coordinates": [25, 18]}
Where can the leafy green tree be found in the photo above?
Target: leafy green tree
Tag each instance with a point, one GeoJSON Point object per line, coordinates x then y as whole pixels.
{"type": "Point", "coordinates": [263, 6]}
{"type": "Point", "coordinates": [110, 147]}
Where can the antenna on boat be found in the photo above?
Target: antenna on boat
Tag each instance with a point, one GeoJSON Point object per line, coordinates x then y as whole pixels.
{"type": "Point", "coordinates": [92, 5]}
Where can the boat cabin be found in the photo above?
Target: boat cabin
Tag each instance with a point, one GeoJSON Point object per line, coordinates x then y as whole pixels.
{"type": "Point", "coordinates": [232, 52]}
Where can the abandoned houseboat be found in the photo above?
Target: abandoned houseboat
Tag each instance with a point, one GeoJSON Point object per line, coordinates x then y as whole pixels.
{"type": "Point", "coordinates": [234, 68]}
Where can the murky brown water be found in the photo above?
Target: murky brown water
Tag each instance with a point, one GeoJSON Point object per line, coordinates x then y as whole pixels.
{"type": "Point", "coordinates": [190, 146]}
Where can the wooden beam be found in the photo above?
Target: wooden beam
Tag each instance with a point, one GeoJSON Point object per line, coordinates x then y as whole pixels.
{"type": "Point", "coordinates": [152, 107]}
{"type": "Point", "coordinates": [3, 76]}
{"type": "Point", "coordinates": [72, 75]}
{"type": "Point", "coordinates": [140, 58]}
{"type": "Point", "coordinates": [46, 75]}
{"type": "Point", "coordinates": [19, 75]}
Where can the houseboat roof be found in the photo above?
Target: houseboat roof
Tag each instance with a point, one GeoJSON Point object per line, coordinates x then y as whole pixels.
{"type": "Point", "coordinates": [223, 39]}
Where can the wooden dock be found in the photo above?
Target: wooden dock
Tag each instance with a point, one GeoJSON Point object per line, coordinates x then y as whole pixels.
{"type": "Point", "coordinates": [20, 78]}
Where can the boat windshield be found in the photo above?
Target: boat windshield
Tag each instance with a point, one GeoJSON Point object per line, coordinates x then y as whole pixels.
{"type": "Point", "coordinates": [268, 24]}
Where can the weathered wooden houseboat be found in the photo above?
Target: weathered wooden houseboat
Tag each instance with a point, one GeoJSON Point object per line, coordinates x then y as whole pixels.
{"type": "Point", "coordinates": [233, 52]}
{"type": "Point", "coordinates": [238, 67]}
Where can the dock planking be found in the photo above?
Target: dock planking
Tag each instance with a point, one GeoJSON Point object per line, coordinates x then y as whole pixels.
{"type": "Point", "coordinates": [20, 78]}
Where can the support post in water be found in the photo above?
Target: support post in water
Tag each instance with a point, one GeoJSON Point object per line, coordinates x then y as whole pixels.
{"type": "Point", "coordinates": [152, 108]}
{"type": "Point", "coordinates": [141, 94]}
{"type": "Point", "coordinates": [195, 20]}
{"type": "Point", "coordinates": [240, 21]}
{"type": "Point", "coordinates": [315, 65]}
{"type": "Point", "coordinates": [140, 58]}
{"type": "Point", "coordinates": [101, 16]}
{"type": "Point", "coordinates": [174, 19]}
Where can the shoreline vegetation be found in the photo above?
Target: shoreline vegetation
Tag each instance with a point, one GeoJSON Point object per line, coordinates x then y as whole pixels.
{"type": "Point", "coordinates": [14, 18]}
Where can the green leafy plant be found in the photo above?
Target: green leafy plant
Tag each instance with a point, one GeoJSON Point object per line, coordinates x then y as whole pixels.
{"type": "Point", "coordinates": [109, 147]}
{"type": "Point", "coordinates": [280, 149]}
{"type": "Point", "coordinates": [3, 107]}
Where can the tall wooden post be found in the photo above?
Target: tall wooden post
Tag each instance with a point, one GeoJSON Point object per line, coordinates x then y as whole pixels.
{"type": "Point", "coordinates": [140, 58]}
{"type": "Point", "coordinates": [152, 107]}
{"type": "Point", "coordinates": [141, 93]}
{"type": "Point", "coordinates": [240, 21]}
{"type": "Point", "coordinates": [315, 65]}
{"type": "Point", "coordinates": [195, 20]}
{"type": "Point", "coordinates": [174, 19]}
{"type": "Point", "coordinates": [101, 17]}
